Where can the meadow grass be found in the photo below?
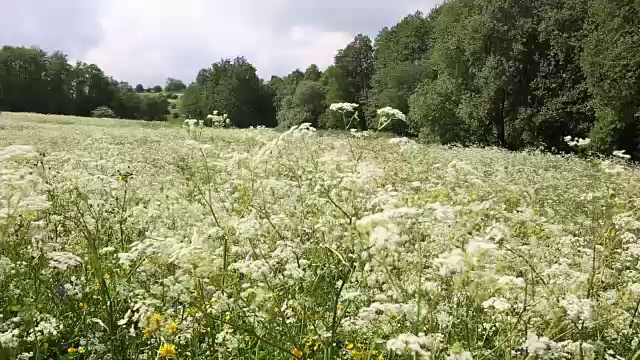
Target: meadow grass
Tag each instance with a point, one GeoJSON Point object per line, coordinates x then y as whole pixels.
{"type": "Point", "coordinates": [134, 240]}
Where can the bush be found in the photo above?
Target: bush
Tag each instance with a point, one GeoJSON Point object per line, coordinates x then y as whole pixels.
{"type": "Point", "coordinates": [173, 96]}
{"type": "Point", "coordinates": [173, 106]}
{"type": "Point", "coordinates": [103, 112]}
{"type": "Point", "coordinates": [175, 115]}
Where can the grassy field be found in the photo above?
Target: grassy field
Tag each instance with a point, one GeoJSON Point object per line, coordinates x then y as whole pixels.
{"type": "Point", "coordinates": [135, 240]}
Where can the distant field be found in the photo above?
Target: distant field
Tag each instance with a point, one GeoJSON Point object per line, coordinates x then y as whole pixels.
{"type": "Point", "coordinates": [142, 240]}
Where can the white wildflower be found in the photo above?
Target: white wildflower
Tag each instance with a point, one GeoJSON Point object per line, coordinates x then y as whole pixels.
{"type": "Point", "coordinates": [635, 288]}
{"type": "Point", "coordinates": [577, 141]}
{"type": "Point", "coordinates": [621, 154]}
{"type": "Point", "coordinates": [577, 309]}
{"type": "Point", "coordinates": [343, 107]}
{"type": "Point", "coordinates": [17, 151]}
{"type": "Point", "coordinates": [450, 263]}
{"type": "Point", "coordinates": [497, 303]}
{"type": "Point", "coordinates": [538, 346]}
{"type": "Point", "coordinates": [63, 260]}
{"type": "Point", "coordinates": [9, 339]}
{"type": "Point", "coordinates": [464, 355]}
{"type": "Point", "coordinates": [409, 344]}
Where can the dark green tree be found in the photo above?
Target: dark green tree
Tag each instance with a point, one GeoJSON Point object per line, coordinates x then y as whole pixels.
{"type": "Point", "coordinates": [312, 73]}
{"type": "Point", "coordinates": [305, 105]}
{"type": "Point", "coordinates": [231, 87]}
{"type": "Point", "coordinates": [173, 85]}
{"type": "Point", "coordinates": [611, 61]}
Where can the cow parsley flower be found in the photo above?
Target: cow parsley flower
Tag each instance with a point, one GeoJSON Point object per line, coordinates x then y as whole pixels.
{"type": "Point", "coordinates": [450, 263]}
{"type": "Point", "coordinates": [63, 260]}
{"type": "Point", "coordinates": [409, 344]}
{"type": "Point", "coordinates": [577, 141]}
{"type": "Point", "coordinates": [464, 355]}
{"type": "Point", "coordinates": [343, 107]}
{"type": "Point", "coordinates": [9, 339]}
{"type": "Point", "coordinates": [577, 309]}
{"type": "Point", "coordinates": [635, 288]}
{"type": "Point", "coordinates": [497, 303]}
{"type": "Point", "coordinates": [538, 346]}
{"type": "Point", "coordinates": [621, 154]}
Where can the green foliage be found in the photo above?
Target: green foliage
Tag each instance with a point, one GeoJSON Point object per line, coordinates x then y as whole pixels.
{"type": "Point", "coordinates": [103, 112]}
{"type": "Point", "coordinates": [173, 85]}
{"type": "Point", "coordinates": [312, 73]}
{"type": "Point", "coordinates": [305, 105]}
{"type": "Point", "coordinates": [611, 61]}
{"type": "Point", "coordinates": [231, 86]}
{"type": "Point", "coordinates": [434, 111]}
{"type": "Point", "coordinates": [154, 108]}
{"type": "Point", "coordinates": [353, 72]}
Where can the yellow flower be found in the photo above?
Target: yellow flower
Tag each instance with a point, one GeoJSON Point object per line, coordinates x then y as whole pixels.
{"type": "Point", "coordinates": [107, 276]}
{"type": "Point", "coordinates": [380, 357]}
{"type": "Point", "coordinates": [227, 317]}
{"type": "Point", "coordinates": [296, 353]}
{"type": "Point", "coordinates": [350, 346]}
{"type": "Point", "coordinates": [81, 350]}
{"type": "Point", "coordinates": [167, 351]}
{"type": "Point", "coordinates": [172, 327]}
{"type": "Point", "coordinates": [71, 350]}
{"type": "Point", "coordinates": [340, 307]}
{"type": "Point", "coordinates": [83, 306]}
{"type": "Point", "coordinates": [155, 320]}
{"type": "Point", "coordinates": [147, 332]}
{"type": "Point", "coordinates": [45, 345]}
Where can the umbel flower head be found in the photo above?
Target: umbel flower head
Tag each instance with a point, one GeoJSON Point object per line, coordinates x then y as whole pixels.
{"type": "Point", "coordinates": [343, 107]}
{"type": "Point", "coordinates": [388, 114]}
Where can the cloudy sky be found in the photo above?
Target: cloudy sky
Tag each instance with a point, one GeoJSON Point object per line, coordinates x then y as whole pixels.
{"type": "Point", "coordinates": [145, 41]}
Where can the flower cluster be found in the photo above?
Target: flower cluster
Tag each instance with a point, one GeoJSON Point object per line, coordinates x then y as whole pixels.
{"type": "Point", "coordinates": [123, 240]}
{"type": "Point", "coordinates": [343, 107]}
{"type": "Point", "coordinates": [219, 120]}
{"type": "Point", "coordinates": [577, 141]}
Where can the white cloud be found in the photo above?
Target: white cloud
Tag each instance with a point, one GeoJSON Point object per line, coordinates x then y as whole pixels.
{"type": "Point", "coordinates": [145, 41]}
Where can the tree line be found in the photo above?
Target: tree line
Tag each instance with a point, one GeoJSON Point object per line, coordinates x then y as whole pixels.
{"type": "Point", "coordinates": [508, 73]}
{"type": "Point", "coordinates": [31, 80]}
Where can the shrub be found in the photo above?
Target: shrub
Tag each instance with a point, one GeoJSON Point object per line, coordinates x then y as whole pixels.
{"type": "Point", "coordinates": [103, 112]}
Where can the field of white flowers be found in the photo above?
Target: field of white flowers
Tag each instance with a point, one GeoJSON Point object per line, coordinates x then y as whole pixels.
{"type": "Point", "coordinates": [123, 240]}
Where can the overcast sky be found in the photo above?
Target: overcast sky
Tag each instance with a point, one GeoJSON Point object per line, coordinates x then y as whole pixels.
{"type": "Point", "coordinates": [145, 41]}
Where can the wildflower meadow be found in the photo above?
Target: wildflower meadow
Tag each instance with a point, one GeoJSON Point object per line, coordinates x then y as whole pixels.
{"type": "Point", "coordinates": [131, 240]}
